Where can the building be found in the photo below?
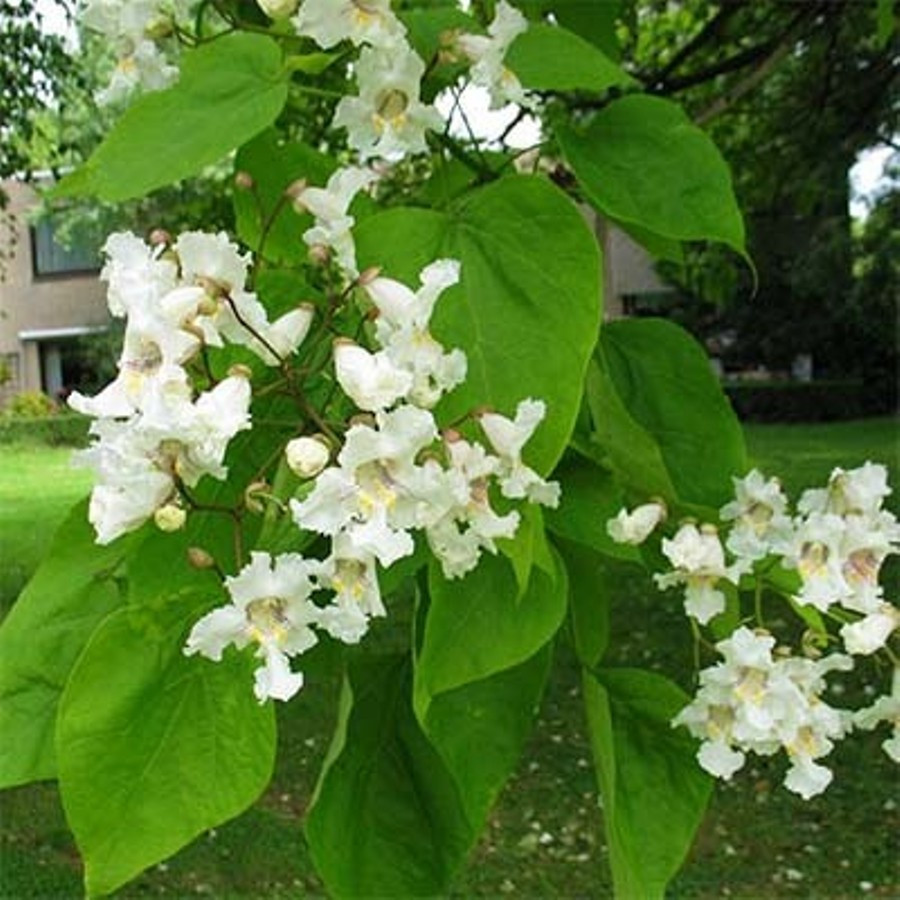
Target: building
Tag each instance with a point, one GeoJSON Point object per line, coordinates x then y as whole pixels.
{"type": "Point", "coordinates": [49, 297]}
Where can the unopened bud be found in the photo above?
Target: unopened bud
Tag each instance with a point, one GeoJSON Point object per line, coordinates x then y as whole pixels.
{"type": "Point", "coordinates": [278, 9]}
{"type": "Point", "coordinates": [451, 436]}
{"type": "Point", "coordinates": [294, 191]}
{"type": "Point", "coordinates": [319, 255]}
{"type": "Point", "coordinates": [239, 370]}
{"type": "Point", "coordinates": [367, 276]}
{"type": "Point", "coordinates": [159, 236]}
{"type": "Point", "coordinates": [243, 181]}
{"type": "Point", "coordinates": [200, 559]}
{"type": "Point", "coordinates": [170, 517]}
{"type": "Point", "coordinates": [307, 456]}
{"type": "Point", "coordinates": [708, 528]}
{"type": "Point", "coordinates": [252, 495]}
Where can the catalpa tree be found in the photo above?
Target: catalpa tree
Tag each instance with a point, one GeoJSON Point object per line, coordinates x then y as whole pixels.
{"type": "Point", "coordinates": [382, 417]}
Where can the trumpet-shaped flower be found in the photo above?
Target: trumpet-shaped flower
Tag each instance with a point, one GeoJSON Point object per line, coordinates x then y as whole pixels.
{"type": "Point", "coordinates": [328, 22]}
{"type": "Point", "coordinates": [387, 119]}
{"type": "Point", "coordinates": [269, 607]}
{"type": "Point", "coordinates": [487, 54]}
{"type": "Point", "coordinates": [333, 224]}
{"type": "Point", "coordinates": [759, 515]}
{"type": "Point", "coordinates": [508, 437]}
{"type": "Point", "coordinates": [371, 380]}
{"type": "Point", "coordinates": [636, 526]}
{"type": "Point", "coordinates": [699, 560]}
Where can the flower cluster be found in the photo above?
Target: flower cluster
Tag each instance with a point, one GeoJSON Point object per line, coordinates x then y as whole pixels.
{"type": "Point", "coordinates": [755, 702]}
{"type": "Point", "coordinates": [135, 30]}
{"type": "Point", "coordinates": [835, 543]}
{"type": "Point", "coordinates": [373, 483]}
{"type": "Point", "coordinates": [157, 436]}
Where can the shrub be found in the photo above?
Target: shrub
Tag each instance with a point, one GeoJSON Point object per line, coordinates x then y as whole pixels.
{"type": "Point", "coordinates": [69, 429]}
{"type": "Point", "coordinates": [814, 401]}
{"type": "Point", "coordinates": [30, 405]}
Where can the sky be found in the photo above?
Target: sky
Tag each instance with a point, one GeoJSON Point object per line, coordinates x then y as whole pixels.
{"type": "Point", "coordinates": [867, 177]}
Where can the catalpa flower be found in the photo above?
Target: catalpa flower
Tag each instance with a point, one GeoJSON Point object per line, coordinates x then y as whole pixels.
{"type": "Point", "coordinates": [699, 560]}
{"type": "Point", "coordinates": [759, 513]}
{"type": "Point", "coordinates": [487, 54]}
{"type": "Point", "coordinates": [333, 224]}
{"type": "Point", "coordinates": [269, 607]}
{"type": "Point", "coordinates": [402, 329]}
{"type": "Point", "coordinates": [636, 526]}
{"type": "Point", "coordinates": [328, 22]}
{"type": "Point", "coordinates": [508, 437]}
{"type": "Point", "coordinates": [470, 525]}
{"type": "Point", "coordinates": [858, 491]}
{"type": "Point", "coordinates": [387, 119]}
{"type": "Point", "coordinates": [753, 702]}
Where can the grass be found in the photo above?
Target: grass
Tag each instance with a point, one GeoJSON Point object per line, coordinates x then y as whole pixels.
{"type": "Point", "coordinates": [543, 838]}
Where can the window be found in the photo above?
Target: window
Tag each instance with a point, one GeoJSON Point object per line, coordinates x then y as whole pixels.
{"type": "Point", "coordinates": [51, 258]}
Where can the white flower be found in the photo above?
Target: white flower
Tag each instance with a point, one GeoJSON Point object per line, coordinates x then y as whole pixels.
{"type": "Point", "coordinates": [307, 456]}
{"type": "Point", "coordinates": [815, 552]}
{"type": "Point", "coordinates": [859, 491]}
{"type": "Point", "coordinates": [329, 207]}
{"type": "Point", "coordinates": [328, 22]}
{"type": "Point", "coordinates": [872, 632]}
{"type": "Point", "coordinates": [884, 709]}
{"type": "Point", "coordinates": [145, 68]}
{"type": "Point", "coordinates": [387, 119]}
{"type": "Point", "coordinates": [867, 540]}
{"type": "Point", "coordinates": [699, 561]}
{"type": "Point", "coordinates": [371, 380]}
{"type": "Point", "coordinates": [402, 330]}
{"type": "Point", "coordinates": [636, 526]}
{"type": "Point", "coordinates": [469, 524]}
{"type": "Point", "coordinates": [508, 437]}
{"type": "Point", "coordinates": [136, 274]}
{"type": "Point", "coordinates": [374, 494]}
{"type": "Point", "coordinates": [753, 702]}
{"type": "Point", "coordinates": [352, 575]}
{"type": "Point", "coordinates": [487, 54]}
{"type": "Point", "coordinates": [212, 258]}
{"type": "Point", "coordinates": [270, 606]}
{"type": "Point", "coordinates": [758, 511]}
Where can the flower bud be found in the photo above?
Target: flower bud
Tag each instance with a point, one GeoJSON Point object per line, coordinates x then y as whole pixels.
{"type": "Point", "coordinates": [208, 306]}
{"type": "Point", "coordinates": [170, 517]}
{"type": "Point", "coordinates": [239, 370]}
{"type": "Point", "coordinates": [367, 276]}
{"type": "Point", "coordinates": [307, 456]}
{"type": "Point", "coordinates": [198, 558]}
{"type": "Point", "coordinates": [243, 181]}
{"type": "Point", "coordinates": [159, 236]}
{"type": "Point", "coordinates": [278, 9]}
{"type": "Point", "coordinates": [319, 255]}
{"type": "Point", "coordinates": [252, 496]}
{"type": "Point", "coordinates": [294, 191]}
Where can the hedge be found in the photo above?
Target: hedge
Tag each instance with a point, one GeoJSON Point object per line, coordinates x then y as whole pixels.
{"type": "Point", "coordinates": [814, 401]}
{"type": "Point", "coordinates": [68, 429]}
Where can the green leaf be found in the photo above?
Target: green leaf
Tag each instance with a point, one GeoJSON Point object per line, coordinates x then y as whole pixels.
{"type": "Point", "coordinates": [552, 58]}
{"type": "Point", "coordinates": [662, 417]}
{"type": "Point", "coordinates": [74, 588]}
{"type": "Point", "coordinates": [594, 20]}
{"type": "Point", "coordinates": [528, 309]}
{"type": "Point", "coordinates": [274, 165]}
{"type": "Point", "coordinates": [654, 793]}
{"type": "Point", "coordinates": [591, 496]}
{"type": "Point", "coordinates": [480, 625]}
{"type": "Point", "coordinates": [154, 747]}
{"type": "Point", "coordinates": [643, 162]}
{"type": "Point", "coordinates": [228, 91]}
{"type": "Point", "coordinates": [479, 730]}
{"type": "Point", "coordinates": [592, 585]}
{"type": "Point", "coordinates": [386, 819]}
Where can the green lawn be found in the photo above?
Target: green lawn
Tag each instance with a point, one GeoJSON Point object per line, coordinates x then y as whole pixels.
{"type": "Point", "coordinates": [37, 487]}
{"type": "Point", "coordinates": [543, 839]}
